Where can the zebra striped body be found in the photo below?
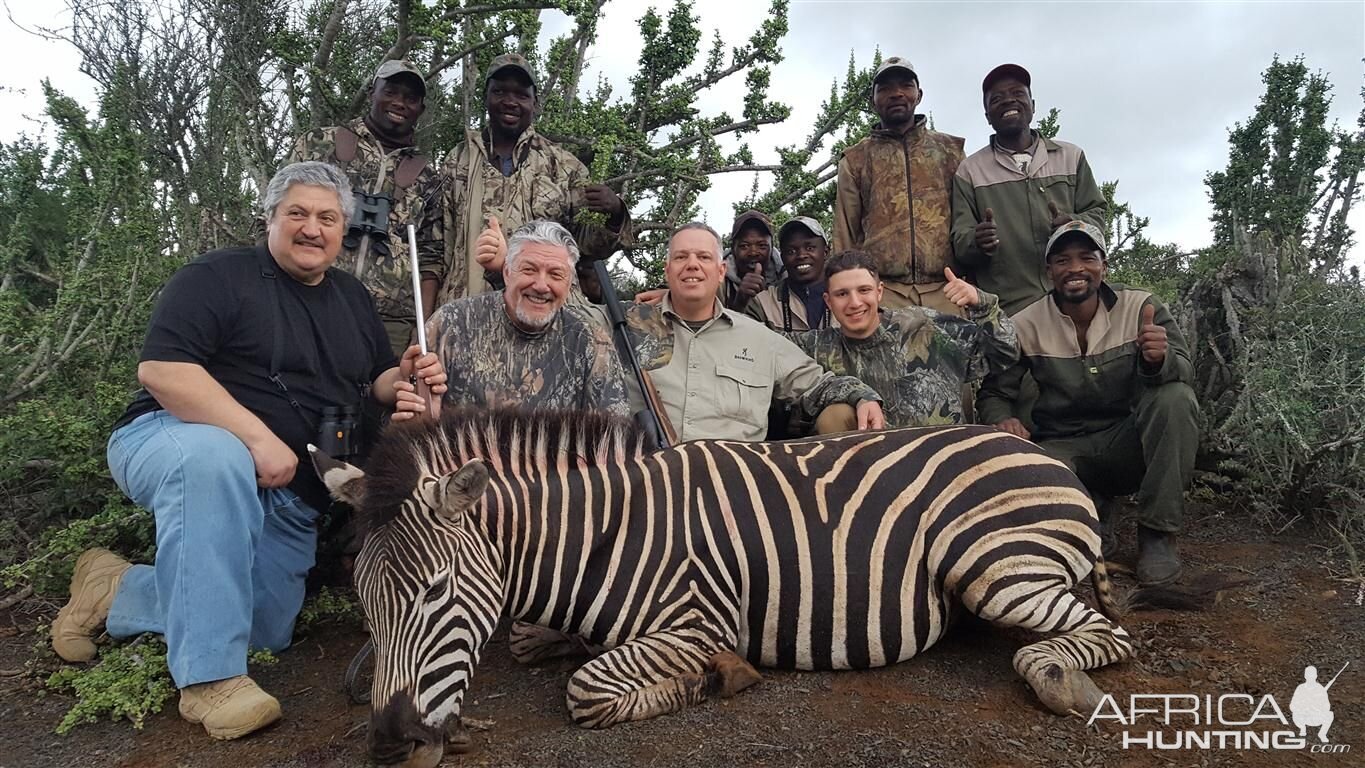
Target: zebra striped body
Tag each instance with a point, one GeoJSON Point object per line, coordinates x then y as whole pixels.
{"type": "Point", "coordinates": [843, 552]}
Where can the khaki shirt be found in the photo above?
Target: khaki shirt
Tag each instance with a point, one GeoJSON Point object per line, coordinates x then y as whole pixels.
{"type": "Point", "coordinates": [718, 382]}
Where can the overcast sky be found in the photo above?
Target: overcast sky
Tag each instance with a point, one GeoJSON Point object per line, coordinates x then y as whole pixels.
{"type": "Point", "coordinates": [1147, 89]}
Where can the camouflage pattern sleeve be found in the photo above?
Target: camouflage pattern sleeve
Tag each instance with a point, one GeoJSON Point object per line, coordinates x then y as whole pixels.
{"type": "Point", "coordinates": [986, 336]}
{"type": "Point", "coordinates": [606, 385]}
{"type": "Point", "coordinates": [431, 257]}
{"type": "Point", "coordinates": [798, 378]}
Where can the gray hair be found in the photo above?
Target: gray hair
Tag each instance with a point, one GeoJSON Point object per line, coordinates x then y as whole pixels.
{"type": "Point", "coordinates": [313, 174]}
{"type": "Point", "coordinates": [703, 226]}
{"type": "Point", "coordinates": [545, 233]}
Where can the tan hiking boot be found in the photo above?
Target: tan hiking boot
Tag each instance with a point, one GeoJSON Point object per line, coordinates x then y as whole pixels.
{"type": "Point", "coordinates": [93, 586]}
{"type": "Point", "coordinates": [229, 709]}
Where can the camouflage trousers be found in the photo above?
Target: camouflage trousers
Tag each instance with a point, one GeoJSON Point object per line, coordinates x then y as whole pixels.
{"type": "Point", "coordinates": [402, 333]}
{"type": "Point", "coordinates": [900, 295]}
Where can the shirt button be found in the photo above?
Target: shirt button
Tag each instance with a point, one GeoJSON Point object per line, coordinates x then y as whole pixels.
{"type": "Point", "coordinates": [690, 394]}
{"type": "Point", "coordinates": [1094, 370]}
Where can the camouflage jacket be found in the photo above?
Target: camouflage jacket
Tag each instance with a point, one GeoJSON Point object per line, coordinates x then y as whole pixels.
{"type": "Point", "coordinates": [918, 359]}
{"type": "Point", "coordinates": [718, 382]}
{"type": "Point", "coordinates": [384, 269]}
{"type": "Point", "coordinates": [546, 183]}
{"type": "Point", "coordinates": [893, 200]}
{"type": "Point", "coordinates": [490, 362]}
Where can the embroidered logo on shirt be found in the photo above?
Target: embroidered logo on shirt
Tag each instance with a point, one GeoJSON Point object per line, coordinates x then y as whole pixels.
{"type": "Point", "coordinates": [743, 354]}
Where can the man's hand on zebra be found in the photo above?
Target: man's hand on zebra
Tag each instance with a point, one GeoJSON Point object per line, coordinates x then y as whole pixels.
{"type": "Point", "coordinates": [1014, 427]}
{"type": "Point", "coordinates": [870, 415]}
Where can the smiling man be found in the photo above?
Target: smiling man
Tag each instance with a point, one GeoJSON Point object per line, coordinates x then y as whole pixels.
{"type": "Point", "coordinates": [1009, 196]}
{"type": "Point", "coordinates": [1114, 396]}
{"type": "Point", "coordinates": [251, 354]}
{"type": "Point", "coordinates": [797, 302]}
{"type": "Point", "coordinates": [917, 359]}
{"type": "Point", "coordinates": [511, 172]}
{"type": "Point", "coordinates": [519, 346]}
{"type": "Point", "coordinates": [395, 185]}
{"type": "Point", "coordinates": [717, 371]}
{"type": "Point", "coordinates": [895, 191]}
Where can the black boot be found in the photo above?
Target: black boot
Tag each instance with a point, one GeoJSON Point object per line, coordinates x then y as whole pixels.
{"type": "Point", "coordinates": [1158, 562]}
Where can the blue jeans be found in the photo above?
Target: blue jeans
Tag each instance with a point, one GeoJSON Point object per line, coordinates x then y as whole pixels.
{"type": "Point", "coordinates": [231, 557]}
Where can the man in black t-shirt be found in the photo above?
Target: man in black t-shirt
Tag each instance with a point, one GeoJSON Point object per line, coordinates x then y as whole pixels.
{"type": "Point", "coordinates": [249, 353]}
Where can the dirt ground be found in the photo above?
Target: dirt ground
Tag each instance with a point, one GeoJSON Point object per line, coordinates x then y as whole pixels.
{"type": "Point", "coordinates": [960, 704]}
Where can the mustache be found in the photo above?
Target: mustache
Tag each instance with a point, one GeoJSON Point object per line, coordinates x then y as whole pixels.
{"type": "Point", "coordinates": [313, 241]}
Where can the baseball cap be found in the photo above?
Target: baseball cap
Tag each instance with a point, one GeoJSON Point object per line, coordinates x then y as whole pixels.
{"type": "Point", "coordinates": [751, 216]}
{"type": "Point", "coordinates": [895, 62]}
{"type": "Point", "coordinates": [802, 221]}
{"type": "Point", "coordinates": [1076, 226]}
{"type": "Point", "coordinates": [395, 67]}
{"type": "Point", "coordinates": [1006, 70]}
{"type": "Point", "coordinates": [511, 61]}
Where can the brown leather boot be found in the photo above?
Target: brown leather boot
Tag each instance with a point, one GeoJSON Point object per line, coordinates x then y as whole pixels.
{"type": "Point", "coordinates": [229, 709]}
{"type": "Point", "coordinates": [93, 586]}
{"type": "Point", "coordinates": [1158, 562]}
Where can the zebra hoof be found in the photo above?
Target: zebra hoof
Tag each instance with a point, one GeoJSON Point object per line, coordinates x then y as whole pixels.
{"type": "Point", "coordinates": [1068, 691]}
{"type": "Point", "coordinates": [425, 756]}
{"type": "Point", "coordinates": [731, 674]}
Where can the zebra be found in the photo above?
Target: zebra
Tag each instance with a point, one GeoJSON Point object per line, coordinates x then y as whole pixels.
{"type": "Point", "coordinates": [688, 566]}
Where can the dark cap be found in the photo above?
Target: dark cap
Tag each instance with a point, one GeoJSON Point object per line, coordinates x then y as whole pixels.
{"type": "Point", "coordinates": [749, 217]}
{"type": "Point", "coordinates": [895, 62]}
{"type": "Point", "coordinates": [1080, 229]}
{"type": "Point", "coordinates": [511, 61]}
{"type": "Point", "coordinates": [807, 222]}
{"type": "Point", "coordinates": [1003, 71]}
{"type": "Point", "coordinates": [395, 67]}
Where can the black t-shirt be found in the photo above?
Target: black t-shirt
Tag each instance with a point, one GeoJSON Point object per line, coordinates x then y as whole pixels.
{"type": "Point", "coordinates": [220, 311]}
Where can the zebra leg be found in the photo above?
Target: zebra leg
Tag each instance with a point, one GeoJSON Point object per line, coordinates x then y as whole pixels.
{"type": "Point", "coordinates": [654, 675]}
{"type": "Point", "coordinates": [1054, 667]}
{"type": "Point", "coordinates": [531, 644]}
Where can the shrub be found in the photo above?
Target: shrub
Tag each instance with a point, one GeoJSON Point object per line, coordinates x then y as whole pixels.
{"type": "Point", "coordinates": [129, 681]}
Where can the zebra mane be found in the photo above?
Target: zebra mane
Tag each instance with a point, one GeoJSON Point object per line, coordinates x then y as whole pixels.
{"type": "Point", "coordinates": [513, 437]}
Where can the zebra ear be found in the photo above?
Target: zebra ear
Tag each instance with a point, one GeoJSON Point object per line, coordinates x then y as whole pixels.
{"type": "Point", "coordinates": [460, 490]}
{"type": "Point", "coordinates": [345, 482]}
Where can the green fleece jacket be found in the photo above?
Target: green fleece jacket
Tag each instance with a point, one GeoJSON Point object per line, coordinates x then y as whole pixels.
{"type": "Point", "coordinates": [1084, 392]}
{"type": "Point", "coordinates": [989, 178]}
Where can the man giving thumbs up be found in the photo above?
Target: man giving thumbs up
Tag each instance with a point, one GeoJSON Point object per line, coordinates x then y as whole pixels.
{"type": "Point", "coordinates": [1114, 402]}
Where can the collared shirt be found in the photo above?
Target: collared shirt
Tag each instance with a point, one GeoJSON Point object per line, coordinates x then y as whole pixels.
{"type": "Point", "coordinates": [718, 382]}
{"type": "Point", "coordinates": [794, 314]}
{"type": "Point", "coordinates": [1084, 391]}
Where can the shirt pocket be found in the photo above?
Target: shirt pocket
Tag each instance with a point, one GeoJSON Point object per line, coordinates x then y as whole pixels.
{"type": "Point", "coordinates": [743, 394]}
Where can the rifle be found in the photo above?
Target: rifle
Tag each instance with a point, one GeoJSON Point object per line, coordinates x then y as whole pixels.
{"type": "Point", "coordinates": [433, 403]}
{"type": "Point", "coordinates": [653, 420]}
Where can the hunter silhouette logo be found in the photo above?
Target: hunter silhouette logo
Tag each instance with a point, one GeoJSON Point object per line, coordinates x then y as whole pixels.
{"type": "Point", "coordinates": [1240, 721]}
{"type": "Point", "coordinates": [744, 355]}
{"type": "Point", "coordinates": [1310, 705]}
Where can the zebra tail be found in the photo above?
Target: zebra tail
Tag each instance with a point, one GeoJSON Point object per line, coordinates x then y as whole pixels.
{"type": "Point", "coordinates": [1112, 603]}
{"type": "Point", "coordinates": [1199, 595]}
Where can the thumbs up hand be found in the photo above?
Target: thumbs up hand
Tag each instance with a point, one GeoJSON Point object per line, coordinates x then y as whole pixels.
{"type": "Point", "coordinates": [1151, 338]}
{"type": "Point", "coordinates": [1058, 218]}
{"type": "Point", "coordinates": [986, 238]}
{"type": "Point", "coordinates": [490, 250]}
{"type": "Point", "coordinates": [959, 291]}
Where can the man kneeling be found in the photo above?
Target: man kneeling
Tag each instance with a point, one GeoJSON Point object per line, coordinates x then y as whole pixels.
{"type": "Point", "coordinates": [1114, 398]}
{"type": "Point", "coordinates": [252, 353]}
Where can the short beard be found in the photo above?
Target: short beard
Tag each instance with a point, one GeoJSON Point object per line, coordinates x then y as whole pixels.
{"type": "Point", "coordinates": [1081, 299]}
{"type": "Point", "coordinates": [532, 322]}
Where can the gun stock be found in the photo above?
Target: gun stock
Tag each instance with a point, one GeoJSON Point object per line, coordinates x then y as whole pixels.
{"type": "Point", "coordinates": [654, 419]}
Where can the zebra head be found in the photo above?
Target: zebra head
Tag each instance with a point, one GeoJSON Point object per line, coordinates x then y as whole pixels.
{"type": "Point", "coordinates": [429, 581]}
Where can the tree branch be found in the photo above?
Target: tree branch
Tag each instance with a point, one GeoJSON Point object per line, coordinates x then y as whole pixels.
{"type": "Point", "coordinates": [455, 13]}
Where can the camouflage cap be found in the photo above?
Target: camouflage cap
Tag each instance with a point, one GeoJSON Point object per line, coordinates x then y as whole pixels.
{"type": "Point", "coordinates": [1006, 70]}
{"type": "Point", "coordinates": [751, 216]}
{"type": "Point", "coordinates": [802, 221]}
{"type": "Point", "coordinates": [511, 61]}
{"type": "Point", "coordinates": [895, 62]}
{"type": "Point", "coordinates": [1078, 227]}
{"type": "Point", "coordinates": [394, 67]}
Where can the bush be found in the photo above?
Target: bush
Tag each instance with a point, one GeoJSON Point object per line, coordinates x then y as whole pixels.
{"type": "Point", "coordinates": [1296, 433]}
{"type": "Point", "coordinates": [130, 681]}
